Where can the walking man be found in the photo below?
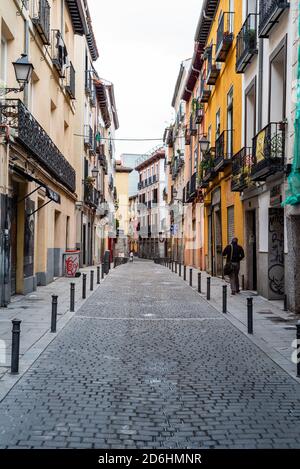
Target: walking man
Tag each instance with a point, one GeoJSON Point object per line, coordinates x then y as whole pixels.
{"type": "Point", "coordinates": [234, 254]}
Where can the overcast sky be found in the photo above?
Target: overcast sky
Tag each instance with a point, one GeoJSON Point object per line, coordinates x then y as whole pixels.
{"type": "Point", "coordinates": [141, 45]}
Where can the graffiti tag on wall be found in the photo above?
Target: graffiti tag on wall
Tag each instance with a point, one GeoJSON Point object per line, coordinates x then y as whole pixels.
{"type": "Point", "coordinates": [276, 252]}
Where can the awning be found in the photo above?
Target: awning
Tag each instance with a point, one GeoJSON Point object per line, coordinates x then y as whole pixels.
{"type": "Point", "coordinates": [50, 193]}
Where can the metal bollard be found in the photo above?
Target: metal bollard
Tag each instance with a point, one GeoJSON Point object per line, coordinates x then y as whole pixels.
{"type": "Point", "coordinates": [172, 266]}
{"type": "Point", "coordinates": [208, 288]}
{"type": "Point", "coordinates": [243, 282]}
{"type": "Point", "coordinates": [199, 282]}
{"type": "Point", "coordinates": [176, 267]}
{"type": "Point", "coordinates": [184, 272]}
{"type": "Point", "coordinates": [224, 299]}
{"type": "Point", "coordinates": [84, 286]}
{"type": "Point", "coordinates": [250, 315]}
{"type": "Point", "coordinates": [179, 269]}
{"type": "Point", "coordinates": [15, 345]}
{"type": "Point", "coordinates": [92, 280]}
{"type": "Point", "coordinates": [72, 297]}
{"type": "Point", "coordinates": [98, 275]}
{"type": "Point", "coordinates": [191, 277]}
{"type": "Point", "coordinates": [102, 270]}
{"type": "Point", "coordinates": [54, 313]}
{"type": "Point", "coordinates": [285, 303]}
{"type": "Point", "coordinates": [298, 348]}
{"type": "Point", "coordinates": [115, 262]}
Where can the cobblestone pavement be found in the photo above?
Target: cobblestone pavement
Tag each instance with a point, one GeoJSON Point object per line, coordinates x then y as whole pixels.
{"type": "Point", "coordinates": [147, 363]}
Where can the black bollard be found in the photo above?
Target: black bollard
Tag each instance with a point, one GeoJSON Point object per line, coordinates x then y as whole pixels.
{"type": "Point", "coordinates": [184, 272]}
{"type": "Point", "coordinates": [285, 305]}
{"type": "Point", "coordinates": [98, 275]}
{"type": "Point", "coordinates": [92, 280]}
{"type": "Point", "coordinates": [175, 267]}
{"type": "Point", "coordinates": [199, 282]}
{"type": "Point", "coordinates": [102, 270]}
{"type": "Point", "coordinates": [224, 299]}
{"type": "Point", "coordinates": [179, 269]}
{"type": "Point", "coordinates": [84, 286]}
{"type": "Point", "coordinates": [72, 297]}
{"type": "Point", "coordinates": [298, 348]}
{"type": "Point", "coordinates": [208, 288]}
{"type": "Point", "coordinates": [250, 315]}
{"type": "Point", "coordinates": [54, 313]}
{"type": "Point", "coordinates": [191, 277]}
{"type": "Point", "coordinates": [15, 345]}
{"type": "Point", "coordinates": [172, 266]}
{"type": "Point", "coordinates": [243, 282]}
{"type": "Point", "coordinates": [115, 262]}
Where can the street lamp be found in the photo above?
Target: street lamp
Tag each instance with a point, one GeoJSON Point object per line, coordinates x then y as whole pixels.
{"type": "Point", "coordinates": [204, 144]}
{"type": "Point", "coordinates": [23, 71]}
{"type": "Point", "coordinates": [95, 172]}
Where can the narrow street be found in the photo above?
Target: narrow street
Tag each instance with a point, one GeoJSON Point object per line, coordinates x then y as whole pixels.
{"type": "Point", "coordinates": [148, 363]}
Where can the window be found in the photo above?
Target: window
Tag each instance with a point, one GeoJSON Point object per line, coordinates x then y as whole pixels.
{"type": "Point", "coordinates": [230, 123]}
{"type": "Point", "coordinates": [230, 223]}
{"type": "Point", "coordinates": [250, 113]}
{"type": "Point", "coordinates": [277, 97]}
{"type": "Point", "coordinates": [218, 124]}
{"type": "Point", "coordinates": [3, 63]}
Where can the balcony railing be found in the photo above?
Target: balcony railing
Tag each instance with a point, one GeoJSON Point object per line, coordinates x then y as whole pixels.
{"type": "Point", "coordinates": [269, 14]}
{"type": "Point", "coordinates": [223, 150]}
{"type": "Point", "coordinates": [199, 114]}
{"type": "Point", "coordinates": [268, 151]}
{"type": "Point", "coordinates": [40, 16]}
{"type": "Point", "coordinates": [208, 168]}
{"type": "Point", "coordinates": [70, 86]}
{"type": "Point", "coordinates": [204, 91]}
{"type": "Point", "coordinates": [225, 36]}
{"type": "Point", "coordinates": [34, 138]}
{"type": "Point", "coordinates": [191, 188]}
{"type": "Point", "coordinates": [213, 68]}
{"type": "Point", "coordinates": [246, 43]}
{"type": "Point", "coordinates": [88, 136]}
{"type": "Point", "coordinates": [241, 170]}
{"type": "Point", "coordinates": [193, 127]}
{"type": "Point", "coordinates": [88, 84]}
{"type": "Point", "coordinates": [59, 53]}
{"type": "Point", "coordinates": [91, 196]}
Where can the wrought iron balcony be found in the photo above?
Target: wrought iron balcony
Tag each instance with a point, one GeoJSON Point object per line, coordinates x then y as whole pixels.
{"type": "Point", "coordinates": [193, 127]}
{"type": "Point", "coordinates": [187, 136]}
{"type": "Point", "coordinates": [191, 188]}
{"type": "Point", "coordinates": [241, 170]}
{"type": "Point", "coordinates": [199, 114]}
{"type": "Point", "coordinates": [269, 14]}
{"type": "Point", "coordinates": [223, 150]}
{"type": "Point", "coordinates": [140, 186]}
{"type": "Point", "coordinates": [246, 43]}
{"type": "Point", "coordinates": [88, 136]}
{"type": "Point", "coordinates": [33, 137]}
{"type": "Point", "coordinates": [268, 151]}
{"type": "Point", "coordinates": [88, 84]}
{"type": "Point", "coordinates": [40, 16]}
{"type": "Point", "coordinates": [208, 168]}
{"type": "Point", "coordinates": [91, 196]}
{"type": "Point", "coordinates": [213, 68]}
{"type": "Point", "coordinates": [154, 178]}
{"type": "Point", "coordinates": [149, 204]}
{"type": "Point", "coordinates": [225, 36]}
{"type": "Point", "coordinates": [204, 91]}
{"type": "Point", "coordinates": [70, 86]}
{"type": "Point", "coordinates": [59, 53]}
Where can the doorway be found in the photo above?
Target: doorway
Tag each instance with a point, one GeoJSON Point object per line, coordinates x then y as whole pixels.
{"type": "Point", "coordinates": [251, 249]}
{"type": "Point", "coordinates": [13, 239]}
{"type": "Point", "coordinates": [217, 248]}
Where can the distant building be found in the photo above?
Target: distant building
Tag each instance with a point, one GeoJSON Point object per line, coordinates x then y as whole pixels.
{"type": "Point", "coordinates": [129, 160]}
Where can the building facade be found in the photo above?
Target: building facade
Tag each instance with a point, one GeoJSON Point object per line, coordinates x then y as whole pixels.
{"type": "Point", "coordinates": [152, 205]}
{"type": "Point", "coordinates": [261, 165]}
{"type": "Point", "coordinates": [55, 135]}
{"type": "Point", "coordinates": [122, 210]}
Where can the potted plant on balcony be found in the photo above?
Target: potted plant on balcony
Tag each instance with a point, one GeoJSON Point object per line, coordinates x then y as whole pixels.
{"type": "Point", "coordinates": [89, 181]}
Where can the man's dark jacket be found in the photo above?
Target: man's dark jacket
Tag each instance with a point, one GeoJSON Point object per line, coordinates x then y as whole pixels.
{"type": "Point", "coordinates": [237, 254]}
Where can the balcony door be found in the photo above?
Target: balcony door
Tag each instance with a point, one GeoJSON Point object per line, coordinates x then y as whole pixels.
{"type": "Point", "coordinates": [250, 113]}
{"type": "Point", "coordinates": [277, 93]}
{"type": "Point", "coordinates": [229, 149]}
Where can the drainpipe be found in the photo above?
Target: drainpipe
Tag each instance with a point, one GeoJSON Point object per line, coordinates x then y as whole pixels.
{"type": "Point", "coordinates": [260, 82]}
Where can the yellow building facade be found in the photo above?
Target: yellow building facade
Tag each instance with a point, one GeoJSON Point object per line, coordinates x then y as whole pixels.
{"type": "Point", "coordinates": [221, 94]}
